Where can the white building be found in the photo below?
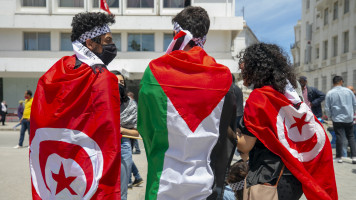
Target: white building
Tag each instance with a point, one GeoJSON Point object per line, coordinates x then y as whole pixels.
{"type": "Point", "coordinates": [325, 42]}
{"type": "Point", "coordinates": [34, 34]}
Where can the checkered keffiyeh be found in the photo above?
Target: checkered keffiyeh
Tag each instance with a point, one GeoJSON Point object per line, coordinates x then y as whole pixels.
{"type": "Point", "coordinates": [237, 186]}
{"type": "Point", "coordinates": [198, 41]}
{"type": "Point", "coordinates": [96, 31]}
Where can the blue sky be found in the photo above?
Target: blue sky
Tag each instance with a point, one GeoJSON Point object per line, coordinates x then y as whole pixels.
{"type": "Point", "coordinates": [272, 21]}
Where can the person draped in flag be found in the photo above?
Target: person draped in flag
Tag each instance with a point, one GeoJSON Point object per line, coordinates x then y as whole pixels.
{"type": "Point", "coordinates": [75, 119]}
{"type": "Point", "coordinates": [278, 129]}
{"type": "Point", "coordinates": [186, 106]}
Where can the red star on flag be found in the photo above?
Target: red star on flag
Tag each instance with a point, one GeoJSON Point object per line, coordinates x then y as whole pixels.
{"type": "Point", "coordinates": [63, 182]}
{"type": "Point", "coordinates": [299, 123]}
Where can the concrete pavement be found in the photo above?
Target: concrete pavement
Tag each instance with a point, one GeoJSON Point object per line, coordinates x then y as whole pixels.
{"type": "Point", "coordinates": [15, 182]}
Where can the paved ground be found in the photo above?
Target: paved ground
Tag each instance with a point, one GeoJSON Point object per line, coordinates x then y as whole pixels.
{"type": "Point", "coordinates": [15, 176]}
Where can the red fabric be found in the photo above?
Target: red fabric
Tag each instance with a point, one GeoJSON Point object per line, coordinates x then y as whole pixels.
{"type": "Point", "coordinates": [260, 116]}
{"type": "Point", "coordinates": [193, 81]}
{"type": "Point", "coordinates": [104, 5]}
{"type": "Point", "coordinates": [78, 99]}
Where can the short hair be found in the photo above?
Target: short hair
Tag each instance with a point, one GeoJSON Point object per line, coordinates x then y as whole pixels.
{"type": "Point", "coordinates": [304, 78]}
{"type": "Point", "coordinates": [119, 73]}
{"type": "Point", "coordinates": [337, 79]}
{"type": "Point", "coordinates": [29, 92]}
{"type": "Point", "coordinates": [267, 64]}
{"type": "Point", "coordinates": [116, 72]}
{"type": "Point", "coordinates": [194, 19]}
{"type": "Point", "coordinates": [86, 21]}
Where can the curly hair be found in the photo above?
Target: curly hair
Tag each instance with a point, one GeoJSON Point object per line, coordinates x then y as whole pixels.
{"type": "Point", "coordinates": [195, 19]}
{"type": "Point", "coordinates": [86, 21]}
{"type": "Point", "coordinates": [267, 64]}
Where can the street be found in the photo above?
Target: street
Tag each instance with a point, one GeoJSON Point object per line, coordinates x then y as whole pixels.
{"type": "Point", "coordinates": [15, 182]}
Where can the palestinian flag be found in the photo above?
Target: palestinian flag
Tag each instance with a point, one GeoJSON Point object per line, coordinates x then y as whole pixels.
{"type": "Point", "coordinates": [185, 108]}
{"type": "Point", "coordinates": [75, 134]}
{"type": "Point", "coordinates": [296, 136]}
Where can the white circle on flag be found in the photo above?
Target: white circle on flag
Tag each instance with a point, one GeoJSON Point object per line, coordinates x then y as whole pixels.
{"type": "Point", "coordinates": [286, 119]}
{"type": "Point", "coordinates": [45, 186]}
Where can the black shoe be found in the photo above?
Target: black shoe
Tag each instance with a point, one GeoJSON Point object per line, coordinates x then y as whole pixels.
{"type": "Point", "coordinates": [129, 186]}
{"type": "Point", "coordinates": [137, 182]}
{"type": "Point", "coordinates": [137, 152]}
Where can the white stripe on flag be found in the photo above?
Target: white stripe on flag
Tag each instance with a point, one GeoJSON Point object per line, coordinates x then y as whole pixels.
{"type": "Point", "coordinates": [186, 171]}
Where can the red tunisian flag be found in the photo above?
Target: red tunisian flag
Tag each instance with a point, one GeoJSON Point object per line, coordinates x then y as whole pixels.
{"type": "Point", "coordinates": [75, 134]}
{"type": "Point", "coordinates": [296, 136]}
{"type": "Point", "coordinates": [104, 5]}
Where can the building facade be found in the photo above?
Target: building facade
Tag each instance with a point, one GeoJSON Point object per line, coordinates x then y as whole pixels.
{"type": "Point", "coordinates": [325, 42]}
{"type": "Point", "coordinates": [34, 34]}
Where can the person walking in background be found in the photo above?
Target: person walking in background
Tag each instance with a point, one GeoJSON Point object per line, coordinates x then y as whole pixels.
{"type": "Point", "coordinates": [340, 106]}
{"type": "Point", "coordinates": [20, 109]}
{"type": "Point", "coordinates": [312, 97]}
{"type": "Point", "coordinates": [25, 120]}
{"type": "Point", "coordinates": [3, 112]}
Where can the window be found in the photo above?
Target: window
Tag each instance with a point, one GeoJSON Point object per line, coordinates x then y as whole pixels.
{"type": "Point", "coordinates": [335, 46]}
{"type": "Point", "coordinates": [111, 3]}
{"type": "Point", "coordinates": [140, 3]}
{"type": "Point", "coordinates": [117, 40]}
{"type": "Point", "coordinates": [308, 4]}
{"type": "Point", "coordinates": [323, 84]}
{"type": "Point", "coordinates": [344, 77]}
{"type": "Point", "coordinates": [37, 41]}
{"type": "Point", "coordinates": [66, 43]}
{"type": "Point", "coordinates": [140, 42]}
{"type": "Point", "coordinates": [71, 3]}
{"type": "Point", "coordinates": [34, 3]}
{"type": "Point", "coordinates": [346, 41]}
{"type": "Point", "coordinates": [167, 40]}
{"type": "Point", "coordinates": [326, 16]}
{"type": "Point", "coordinates": [316, 82]}
{"type": "Point", "coordinates": [317, 52]}
{"type": "Point", "coordinates": [346, 6]}
{"type": "Point", "coordinates": [325, 53]}
{"type": "Point", "coordinates": [176, 3]}
{"type": "Point", "coordinates": [336, 8]}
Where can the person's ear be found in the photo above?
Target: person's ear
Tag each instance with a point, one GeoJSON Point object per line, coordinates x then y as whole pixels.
{"type": "Point", "coordinates": [90, 44]}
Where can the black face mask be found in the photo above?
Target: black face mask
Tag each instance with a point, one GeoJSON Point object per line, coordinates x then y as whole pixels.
{"type": "Point", "coordinates": [108, 54]}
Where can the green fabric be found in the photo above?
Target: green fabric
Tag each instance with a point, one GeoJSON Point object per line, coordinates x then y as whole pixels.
{"type": "Point", "coordinates": [152, 125]}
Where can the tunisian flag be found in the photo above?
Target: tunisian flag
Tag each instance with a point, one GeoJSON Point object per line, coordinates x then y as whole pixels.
{"type": "Point", "coordinates": [75, 134]}
{"type": "Point", "coordinates": [296, 136]}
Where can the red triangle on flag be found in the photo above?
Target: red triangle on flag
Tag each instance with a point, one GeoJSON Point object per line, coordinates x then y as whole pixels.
{"type": "Point", "coordinates": [193, 81]}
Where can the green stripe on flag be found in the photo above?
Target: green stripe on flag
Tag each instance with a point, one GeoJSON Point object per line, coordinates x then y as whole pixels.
{"type": "Point", "coordinates": [152, 125]}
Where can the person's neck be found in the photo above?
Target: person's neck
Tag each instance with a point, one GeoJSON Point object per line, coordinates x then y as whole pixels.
{"type": "Point", "coordinates": [187, 48]}
{"type": "Point", "coordinates": [335, 85]}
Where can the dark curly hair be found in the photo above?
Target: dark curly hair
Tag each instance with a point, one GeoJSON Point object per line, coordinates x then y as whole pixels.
{"type": "Point", "coordinates": [267, 64]}
{"type": "Point", "coordinates": [238, 172]}
{"type": "Point", "coordinates": [194, 19]}
{"type": "Point", "coordinates": [86, 21]}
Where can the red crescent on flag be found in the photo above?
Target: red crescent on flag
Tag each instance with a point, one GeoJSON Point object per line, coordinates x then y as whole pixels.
{"type": "Point", "coordinates": [68, 145]}
{"type": "Point", "coordinates": [67, 151]}
{"type": "Point", "coordinates": [305, 140]}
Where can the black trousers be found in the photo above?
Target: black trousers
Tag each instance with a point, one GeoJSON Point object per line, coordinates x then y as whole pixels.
{"type": "Point", "coordinates": [344, 129]}
{"type": "Point", "coordinates": [3, 117]}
